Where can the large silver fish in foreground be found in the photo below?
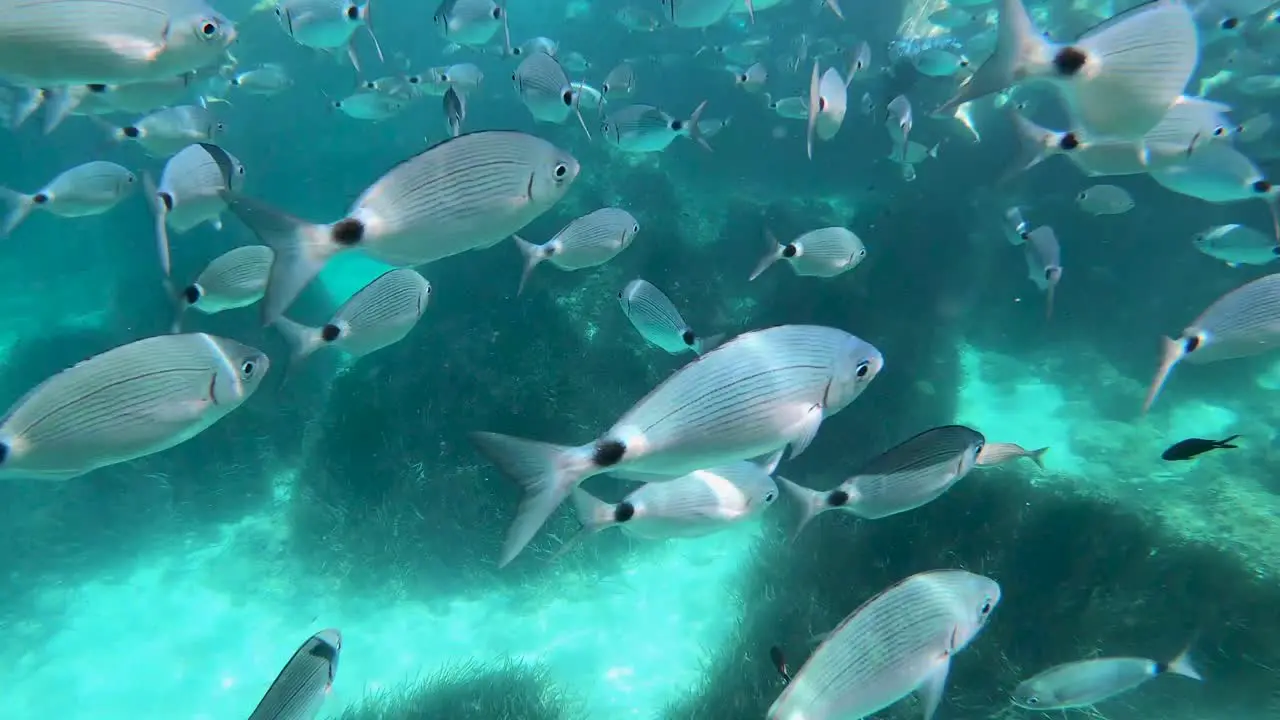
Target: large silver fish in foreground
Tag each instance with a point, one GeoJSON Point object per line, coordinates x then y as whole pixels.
{"type": "Point", "coordinates": [755, 394]}
{"type": "Point", "coordinates": [465, 193]}
{"type": "Point", "coordinates": [126, 403]}
{"type": "Point", "coordinates": [303, 684]}
{"type": "Point", "coordinates": [899, 642]}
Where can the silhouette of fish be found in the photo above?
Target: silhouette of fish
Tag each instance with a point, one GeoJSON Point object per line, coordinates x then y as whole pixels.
{"type": "Point", "coordinates": [1191, 447]}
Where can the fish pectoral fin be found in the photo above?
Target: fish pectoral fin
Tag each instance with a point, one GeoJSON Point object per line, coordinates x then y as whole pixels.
{"type": "Point", "coordinates": [807, 430]}
{"type": "Point", "coordinates": [181, 412]}
{"type": "Point", "coordinates": [933, 687]}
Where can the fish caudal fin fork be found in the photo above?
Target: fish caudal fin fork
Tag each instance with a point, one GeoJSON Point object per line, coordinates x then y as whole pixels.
{"type": "Point", "coordinates": [20, 207]}
{"type": "Point", "coordinates": [809, 503]}
{"type": "Point", "coordinates": [545, 472]}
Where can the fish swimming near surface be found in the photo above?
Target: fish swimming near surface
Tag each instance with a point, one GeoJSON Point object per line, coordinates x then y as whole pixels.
{"type": "Point", "coordinates": [1192, 447]}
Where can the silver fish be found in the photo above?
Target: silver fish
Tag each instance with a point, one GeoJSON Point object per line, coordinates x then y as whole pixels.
{"type": "Point", "coordinates": [791, 108]}
{"type": "Point", "coordinates": [466, 76]}
{"type": "Point", "coordinates": [593, 239]}
{"type": "Point", "coordinates": [1244, 322]}
{"type": "Point", "coordinates": [136, 400]}
{"type": "Point", "coordinates": [1044, 263]}
{"type": "Point", "coordinates": [191, 192]}
{"type": "Point", "coordinates": [1015, 226]}
{"type": "Point", "coordinates": [472, 22]}
{"type": "Point", "coordinates": [899, 121]}
{"type": "Point", "coordinates": [48, 43]}
{"type": "Point", "coordinates": [828, 102]}
{"type": "Point", "coordinates": [1216, 172]}
{"type": "Point", "coordinates": [899, 642]}
{"type": "Point", "coordinates": [752, 79]}
{"type": "Point", "coordinates": [302, 686]}
{"type": "Point", "coordinates": [999, 453]}
{"type": "Point", "coordinates": [89, 189]}
{"type": "Point", "coordinates": [545, 89]}
{"type": "Point", "coordinates": [269, 79]}
{"type": "Point", "coordinates": [1237, 245]}
{"type": "Point", "coordinates": [380, 314]}
{"type": "Point", "coordinates": [467, 192]}
{"type": "Point", "coordinates": [372, 106]}
{"type": "Point", "coordinates": [645, 128]}
{"type": "Point", "coordinates": [327, 24]}
{"type": "Point", "coordinates": [535, 45]}
{"type": "Point", "coordinates": [1088, 682]}
{"type": "Point", "coordinates": [658, 321]}
{"type": "Point", "coordinates": [1117, 80]}
{"type": "Point", "coordinates": [825, 252]}
{"type": "Point", "coordinates": [620, 82]}
{"type": "Point", "coordinates": [165, 132]}
{"type": "Point", "coordinates": [696, 13]}
{"type": "Point", "coordinates": [144, 97]}
{"type": "Point", "coordinates": [861, 61]}
{"type": "Point", "coordinates": [234, 279]}
{"type": "Point", "coordinates": [1104, 200]}
{"type": "Point", "coordinates": [455, 111]}
{"type": "Point", "coordinates": [904, 477]}
{"type": "Point", "coordinates": [756, 394]}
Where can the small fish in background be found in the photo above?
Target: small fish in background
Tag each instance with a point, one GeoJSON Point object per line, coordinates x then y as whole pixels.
{"type": "Point", "coordinates": [1120, 100]}
{"type": "Point", "coordinates": [545, 89]}
{"type": "Point", "coordinates": [574, 61]}
{"type": "Point", "coordinates": [867, 106]}
{"type": "Point", "coordinates": [637, 19]}
{"type": "Point", "coordinates": [999, 453]}
{"type": "Point", "coordinates": [753, 79]}
{"type": "Point", "coordinates": [473, 23]}
{"type": "Point", "coordinates": [465, 76]}
{"type": "Point", "coordinates": [899, 121]}
{"type": "Point", "coordinates": [695, 13]}
{"type": "Point", "coordinates": [963, 115]}
{"type": "Point", "coordinates": [164, 132]}
{"type": "Point", "coordinates": [620, 82]}
{"type": "Point", "coordinates": [791, 108]}
{"type": "Point", "coordinates": [1241, 323]}
{"type": "Point", "coordinates": [267, 80]}
{"type": "Point", "coordinates": [539, 44]}
{"type": "Point", "coordinates": [913, 473]}
{"type": "Point", "coordinates": [901, 641]}
{"type": "Point", "coordinates": [379, 314]}
{"type": "Point", "coordinates": [370, 106]}
{"type": "Point", "coordinates": [912, 153]}
{"type": "Point", "coordinates": [1191, 447]}
{"type": "Point", "coordinates": [455, 111]}
{"type": "Point", "coordinates": [1254, 129]}
{"type": "Point", "coordinates": [234, 279]}
{"type": "Point", "coordinates": [825, 252]}
{"type": "Point", "coordinates": [1237, 245]}
{"type": "Point", "coordinates": [1044, 263]}
{"type": "Point", "coordinates": [828, 102]}
{"type": "Point", "coordinates": [779, 661]}
{"type": "Point", "coordinates": [587, 97]}
{"type": "Point", "coordinates": [92, 188]}
{"type": "Point", "coordinates": [1105, 200]}
{"type": "Point", "coordinates": [939, 63]}
{"type": "Point", "coordinates": [1088, 682]}
{"type": "Point", "coordinates": [645, 128]}
{"type": "Point", "coordinates": [190, 193]}
{"type": "Point", "coordinates": [299, 691]}
{"type": "Point", "coordinates": [588, 241]}
{"type": "Point", "coordinates": [1216, 172]}
{"type": "Point", "coordinates": [861, 61]}
{"type": "Point", "coordinates": [656, 318]}
{"type": "Point", "coordinates": [1015, 226]}
{"type": "Point", "coordinates": [132, 401]}
{"type": "Point", "coordinates": [328, 25]}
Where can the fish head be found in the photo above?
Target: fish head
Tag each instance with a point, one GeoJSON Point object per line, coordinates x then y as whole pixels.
{"type": "Point", "coordinates": [857, 363]}
{"type": "Point", "coordinates": [209, 29]}
{"type": "Point", "coordinates": [243, 369]}
{"type": "Point", "coordinates": [552, 175]}
{"type": "Point", "coordinates": [980, 596]}
{"type": "Point", "coordinates": [1034, 694]}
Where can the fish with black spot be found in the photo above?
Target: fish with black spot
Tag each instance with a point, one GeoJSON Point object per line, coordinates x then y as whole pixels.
{"type": "Point", "coordinates": [656, 318]}
{"type": "Point", "coordinates": [754, 395]}
{"type": "Point", "coordinates": [165, 132]}
{"type": "Point", "coordinates": [299, 691]}
{"type": "Point", "coordinates": [190, 192]}
{"type": "Point", "coordinates": [92, 188]}
{"type": "Point", "coordinates": [1193, 447]}
{"type": "Point", "coordinates": [825, 252]}
{"type": "Point", "coordinates": [234, 279]}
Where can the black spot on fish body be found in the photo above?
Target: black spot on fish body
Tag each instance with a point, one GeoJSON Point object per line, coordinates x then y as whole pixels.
{"type": "Point", "coordinates": [1262, 187]}
{"type": "Point", "coordinates": [96, 87]}
{"type": "Point", "coordinates": [1191, 344]}
{"type": "Point", "coordinates": [130, 132]}
{"type": "Point", "coordinates": [1069, 141]}
{"type": "Point", "coordinates": [353, 12]}
{"type": "Point", "coordinates": [1069, 60]}
{"type": "Point", "coordinates": [790, 250]}
{"type": "Point", "coordinates": [324, 651]}
{"type": "Point", "coordinates": [497, 15]}
{"type": "Point", "coordinates": [1275, 250]}
{"type": "Point", "coordinates": [688, 337]}
{"type": "Point", "coordinates": [330, 332]}
{"type": "Point", "coordinates": [192, 294]}
{"type": "Point", "coordinates": [567, 97]}
{"type": "Point", "coordinates": [837, 498]}
{"type": "Point", "coordinates": [165, 199]}
{"type": "Point", "coordinates": [624, 512]}
{"type": "Point", "coordinates": [1191, 447]}
{"type": "Point", "coordinates": [348, 232]}
{"type": "Point", "coordinates": [4, 452]}
{"type": "Point", "coordinates": [677, 125]}
{"type": "Point", "coordinates": [39, 198]}
{"type": "Point", "coordinates": [608, 453]}
{"type": "Point", "coordinates": [1230, 23]}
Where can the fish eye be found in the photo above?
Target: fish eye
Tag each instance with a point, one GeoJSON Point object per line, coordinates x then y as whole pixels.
{"type": "Point", "coordinates": [209, 29]}
{"type": "Point", "coordinates": [1229, 23]}
{"type": "Point", "coordinates": [1219, 131]}
{"type": "Point", "coordinates": [353, 12]}
{"type": "Point", "coordinates": [1084, 195]}
{"type": "Point", "coordinates": [862, 252]}
{"type": "Point", "coordinates": [497, 14]}
{"type": "Point", "coordinates": [561, 170]}
{"type": "Point", "coordinates": [768, 497]}
{"type": "Point", "coordinates": [240, 170]}
{"type": "Point", "coordinates": [1033, 700]}
{"type": "Point", "coordinates": [635, 228]}
{"type": "Point", "coordinates": [986, 607]}
{"type": "Point", "coordinates": [863, 369]}
{"type": "Point", "coordinates": [248, 368]}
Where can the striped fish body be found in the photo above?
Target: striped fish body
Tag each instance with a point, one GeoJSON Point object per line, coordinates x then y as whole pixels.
{"type": "Point", "coordinates": [469, 22]}
{"type": "Point", "coordinates": [1084, 683]}
{"type": "Point", "coordinates": [914, 472]}
{"type": "Point", "coordinates": [999, 453]}
{"type": "Point", "coordinates": [544, 88]}
{"type": "Point", "coordinates": [826, 252]}
{"type": "Point", "coordinates": [126, 403]}
{"type": "Point", "coordinates": [1244, 322]}
{"type": "Point", "coordinates": [640, 128]}
{"type": "Point", "coordinates": [323, 24]}
{"type": "Point", "coordinates": [700, 503]}
{"type": "Point", "coordinates": [753, 395]}
{"type": "Point", "coordinates": [88, 189]}
{"type": "Point", "coordinates": [1215, 172]}
{"type": "Point", "coordinates": [654, 316]}
{"type": "Point", "coordinates": [302, 686]}
{"type": "Point", "coordinates": [166, 132]}
{"type": "Point", "coordinates": [235, 279]}
{"type": "Point", "coordinates": [192, 183]}
{"type": "Point", "coordinates": [144, 97]}
{"type": "Point", "coordinates": [467, 192]}
{"type": "Point", "coordinates": [49, 43]}
{"type": "Point", "coordinates": [381, 313]}
{"type": "Point", "coordinates": [695, 13]}
{"type": "Point", "coordinates": [899, 642]}
{"type": "Point", "coordinates": [593, 239]}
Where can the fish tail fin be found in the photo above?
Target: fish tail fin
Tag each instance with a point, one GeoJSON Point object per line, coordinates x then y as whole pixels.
{"type": "Point", "coordinates": [180, 306]}
{"type": "Point", "coordinates": [1037, 456]}
{"type": "Point", "coordinates": [506, 32]}
{"type": "Point", "coordinates": [302, 340]}
{"type": "Point", "coordinates": [1227, 442]}
{"type": "Point", "coordinates": [545, 472]}
{"type": "Point", "coordinates": [1182, 665]}
{"type": "Point", "coordinates": [815, 99]}
{"type": "Point", "coordinates": [1017, 45]}
{"type": "Point", "coordinates": [26, 107]}
{"type": "Point", "coordinates": [834, 7]}
{"type": "Point", "coordinates": [533, 256]}
{"type": "Point", "coordinates": [20, 207]}
{"type": "Point", "coordinates": [691, 125]}
{"type": "Point", "coordinates": [593, 513]}
{"type": "Point", "coordinates": [1035, 145]}
{"type": "Point", "coordinates": [160, 215]}
{"type": "Point", "coordinates": [301, 248]}
{"type": "Point", "coordinates": [58, 105]}
{"type": "Point", "coordinates": [809, 503]}
{"type": "Point", "coordinates": [1171, 352]}
{"type": "Point", "coordinates": [366, 12]}
{"type": "Point", "coordinates": [707, 344]}
{"type": "Point", "coordinates": [772, 256]}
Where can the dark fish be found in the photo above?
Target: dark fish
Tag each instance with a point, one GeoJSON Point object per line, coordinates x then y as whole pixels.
{"type": "Point", "coordinates": [780, 663]}
{"type": "Point", "coordinates": [1191, 447]}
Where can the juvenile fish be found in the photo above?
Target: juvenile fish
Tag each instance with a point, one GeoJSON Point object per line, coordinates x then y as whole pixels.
{"type": "Point", "coordinates": [1237, 245]}
{"type": "Point", "coordinates": [302, 686]}
{"type": "Point", "coordinates": [1105, 200]}
{"type": "Point", "coordinates": [165, 132]}
{"type": "Point", "coordinates": [464, 193]}
{"type": "Point", "coordinates": [899, 642]}
{"type": "Point", "coordinates": [267, 80]}
{"type": "Point", "coordinates": [89, 189]}
{"type": "Point", "coordinates": [135, 400]}
{"type": "Point", "coordinates": [825, 252]}
{"type": "Point", "coordinates": [828, 102]}
{"type": "Point", "coordinates": [1088, 682]}
{"type": "Point", "coordinates": [658, 321]}
{"type": "Point", "coordinates": [593, 239]}
{"type": "Point", "coordinates": [1192, 447]}
{"type": "Point", "coordinates": [1244, 322]}
{"type": "Point", "coordinates": [371, 106]}
{"type": "Point", "coordinates": [755, 394]}
{"type": "Point", "coordinates": [905, 477]}
{"type": "Point", "coordinates": [327, 24]}
{"type": "Point", "coordinates": [234, 279]}
{"type": "Point", "coordinates": [1044, 263]}
{"type": "Point", "coordinates": [191, 192]}
{"type": "Point", "coordinates": [455, 111]}
{"type": "Point", "coordinates": [645, 128]}
{"type": "Point", "coordinates": [380, 314]}
{"type": "Point", "coordinates": [1000, 453]}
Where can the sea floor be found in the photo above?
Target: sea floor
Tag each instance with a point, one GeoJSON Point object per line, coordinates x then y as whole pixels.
{"type": "Point", "coordinates": [197, 632]}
